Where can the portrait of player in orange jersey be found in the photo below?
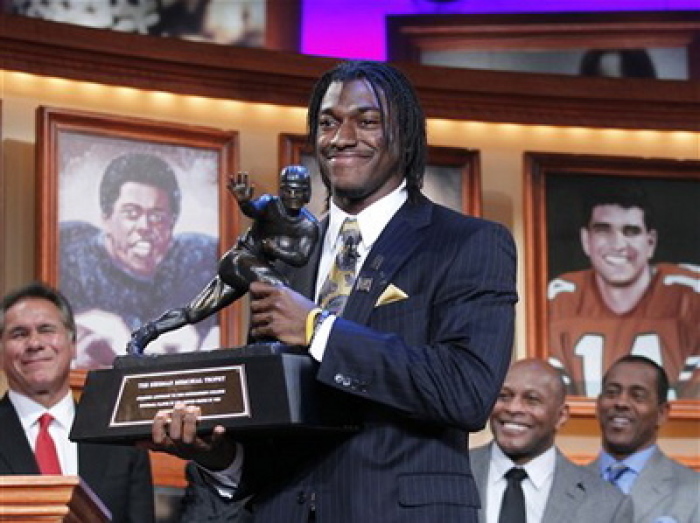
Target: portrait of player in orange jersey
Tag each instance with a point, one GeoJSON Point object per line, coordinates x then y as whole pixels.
{"type": "Point", "coordinates": [632, 284]}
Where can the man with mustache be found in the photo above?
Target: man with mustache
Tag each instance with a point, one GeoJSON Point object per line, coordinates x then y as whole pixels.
{"type": "Point", "coordinates": [134, 267]}
{"type": "Point", "coordinates": [624, 304]}
{"type": "Point", "coordinates": [530, 409]}
{"type": "Point", "coordinates": [631, 409]}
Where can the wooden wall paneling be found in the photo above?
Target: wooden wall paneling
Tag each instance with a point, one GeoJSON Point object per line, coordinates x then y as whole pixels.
{"type": "Point", "coordinates": [266, 76]}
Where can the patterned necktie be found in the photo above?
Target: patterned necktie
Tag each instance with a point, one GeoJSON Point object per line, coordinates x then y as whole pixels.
{"type": "Point", "coordinates": [45, 449]}
{"type": "Point", "coordinates": [335, 290]}
{"type": "Point", "coordinates": [615, 473]}
{"type": "Point", "coordinates": [513, 504]}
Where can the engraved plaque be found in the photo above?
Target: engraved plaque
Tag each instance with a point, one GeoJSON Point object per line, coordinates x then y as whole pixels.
{"type": "Point", "coordinates": [221, 392]}
{"type": "Point", "coordinates": [256, 388]}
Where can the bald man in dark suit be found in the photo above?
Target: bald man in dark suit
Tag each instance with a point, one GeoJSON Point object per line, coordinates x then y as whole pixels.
{"type": "Point", "coordinates": [530, 409]}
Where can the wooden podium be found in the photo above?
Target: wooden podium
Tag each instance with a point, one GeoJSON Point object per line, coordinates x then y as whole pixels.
{"type": "Point", "coordinates": [49, 499]}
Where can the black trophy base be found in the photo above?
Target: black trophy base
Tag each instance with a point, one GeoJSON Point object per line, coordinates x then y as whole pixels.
{"type": "Point", "coordinates": [255, 389]}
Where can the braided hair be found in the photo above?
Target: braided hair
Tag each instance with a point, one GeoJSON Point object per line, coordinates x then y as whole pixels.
{"type": "Point", "coordinates": [403, 117]}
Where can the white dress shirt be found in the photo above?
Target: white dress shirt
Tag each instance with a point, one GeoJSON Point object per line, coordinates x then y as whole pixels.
{"type": "Point", "coordinates": [536, 487]}
{"type": "Point", "coordinates": [371, 222]}
{"type": "Point", "coordinates": [635, 462]}
{"type": "Point", "coordinates": [63, 413]}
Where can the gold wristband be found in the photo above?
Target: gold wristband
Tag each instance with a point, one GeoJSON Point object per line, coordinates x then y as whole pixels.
{"type": "Point", "coordinates": [311, 323]}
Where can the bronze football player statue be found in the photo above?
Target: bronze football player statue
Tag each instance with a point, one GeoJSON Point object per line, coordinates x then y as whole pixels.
{"type": "Point", "coordinates": [282, 230]}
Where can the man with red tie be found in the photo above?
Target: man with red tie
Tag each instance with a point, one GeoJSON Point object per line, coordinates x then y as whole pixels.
{"type": "Point", "coordinates": [37, 344]}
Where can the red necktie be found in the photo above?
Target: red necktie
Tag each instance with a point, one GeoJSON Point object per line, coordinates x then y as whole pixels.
{"type": "Point", "coordinates": [45, 450]}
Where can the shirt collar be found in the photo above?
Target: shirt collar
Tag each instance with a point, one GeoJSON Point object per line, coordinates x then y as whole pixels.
{"type": "Point", "coordinates": [634, 461]}
{"type": "Point", "coordinates": [538, 469]}
{"type": "Point", "coordinates": [371, 220]}
{"type": "Point", "coordinates": [29, 410]}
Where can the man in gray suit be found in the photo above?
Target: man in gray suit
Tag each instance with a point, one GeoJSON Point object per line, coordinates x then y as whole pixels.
{"type": "Point", "coordinates": [530, 409]}
{"type": "Point", "coordinates": [630, 409]}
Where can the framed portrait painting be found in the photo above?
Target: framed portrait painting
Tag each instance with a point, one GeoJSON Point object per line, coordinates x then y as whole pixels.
{"type": "Point", "coordinates": [2, 212]}
{"type": "Point", "coordinates": [134, 218]}
{"type": "Point", "coordinates": [452, 176]}
{"type": "Point", "coordinates": [613, 268]}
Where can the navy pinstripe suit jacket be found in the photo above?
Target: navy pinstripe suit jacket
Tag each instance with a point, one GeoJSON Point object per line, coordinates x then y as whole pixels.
{"type": "Point", "coordinates": [417, 374]}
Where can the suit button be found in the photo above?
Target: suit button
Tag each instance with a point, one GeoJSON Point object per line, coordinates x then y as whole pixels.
{"type": "Point", "coordinates": [301, 498]}
{"type": "Point", "coordinates": [338, 378]}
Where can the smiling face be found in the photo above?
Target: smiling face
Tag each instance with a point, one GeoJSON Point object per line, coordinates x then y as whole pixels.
{"type": "Point", "coordinates": [618, 244]}
{"type": "Point", "coordinates": [628, 409]}
{"type": "Point", "coordinates": [37, 350]}
{"type": "Point", "coordinates": [529, 410]}
{"type": "Point", "coordinates": [139, 229]}
{"type": "Point", "coordinates": [356, 150]}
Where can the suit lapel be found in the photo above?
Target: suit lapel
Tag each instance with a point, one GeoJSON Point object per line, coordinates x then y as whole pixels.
{"type": "Point", "coordinates": [652, 485]}
{"type": "Point", "coordinates": [568, 492]}
{"type": "Point", "coordinates": [400, 238]}
{"type": "Point", "coordinates": [92, 463]}
{"type": "Point", "coordinates": [480, 459]}
{"type": "Point", "coordinates": [16, 456]}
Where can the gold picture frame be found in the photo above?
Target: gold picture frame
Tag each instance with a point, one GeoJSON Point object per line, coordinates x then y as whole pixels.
{"type": "Point", "coordinates": [74, 149]}
{"type": "Point", "coordinates": [555, 189]}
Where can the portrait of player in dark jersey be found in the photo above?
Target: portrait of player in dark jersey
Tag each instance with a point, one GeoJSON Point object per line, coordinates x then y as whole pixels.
{"type": "Point", "coordinates": [137, 232]}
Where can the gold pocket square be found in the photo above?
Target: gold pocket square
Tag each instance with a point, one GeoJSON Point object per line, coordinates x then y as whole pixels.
{"type": "Point", "coordinates": [391, 294]}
